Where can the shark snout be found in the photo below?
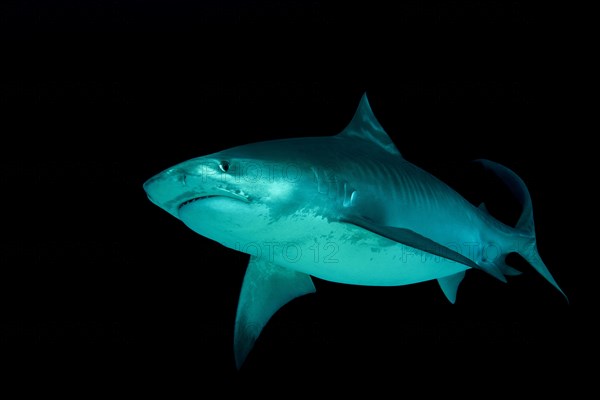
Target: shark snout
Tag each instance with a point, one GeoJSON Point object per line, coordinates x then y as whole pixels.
{"type": "Point", "coordinates": [168, 190]}
{"type": "Point", "coordinates": [176, 186]}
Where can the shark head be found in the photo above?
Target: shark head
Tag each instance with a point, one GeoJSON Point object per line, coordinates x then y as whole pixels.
{"type": "Point", "coordinates": [234, 194]}
{"type": "Point", "coordinates": [237, 194]}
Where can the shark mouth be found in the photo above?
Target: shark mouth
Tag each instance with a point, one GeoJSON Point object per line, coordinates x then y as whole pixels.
{"type": "Point", "coordinates": [190, 201]}
{"type": "Point", "coordinates": [228, 194]}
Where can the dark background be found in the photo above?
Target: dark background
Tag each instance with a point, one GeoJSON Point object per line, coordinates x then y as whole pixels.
{"type": "Point", "coordinates": [101, 286]}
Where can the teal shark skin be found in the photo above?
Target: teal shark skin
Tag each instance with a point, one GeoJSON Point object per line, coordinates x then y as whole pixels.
{"type": "Point", "coordinates": [346, 208]}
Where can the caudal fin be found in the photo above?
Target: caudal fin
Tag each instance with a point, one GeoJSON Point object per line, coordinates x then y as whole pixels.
{"type": "Point", "coordinates": [527, 246]}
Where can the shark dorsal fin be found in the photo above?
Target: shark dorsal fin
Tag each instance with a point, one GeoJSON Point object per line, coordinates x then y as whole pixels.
{"type": "Point", "coordinates": [365, 126]}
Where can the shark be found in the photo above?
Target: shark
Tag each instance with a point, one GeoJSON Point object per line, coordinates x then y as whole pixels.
{"type": "Point", "coordinates": [346, 208]}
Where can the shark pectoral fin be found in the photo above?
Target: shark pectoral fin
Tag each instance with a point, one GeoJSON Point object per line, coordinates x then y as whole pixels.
{"type": "Point", "coordinates": [265, 289]}
{"type": "Point", "coordinates": [410, 238]}
{"type": "Point", "coordinates": [449, 285]}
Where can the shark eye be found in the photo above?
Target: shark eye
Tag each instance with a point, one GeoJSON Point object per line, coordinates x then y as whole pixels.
{"type": "Point", "coordinates": [224, 166]}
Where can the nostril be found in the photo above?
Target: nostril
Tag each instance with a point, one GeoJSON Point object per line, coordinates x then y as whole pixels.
{"type": "Point", "coordinates": [177, 175]}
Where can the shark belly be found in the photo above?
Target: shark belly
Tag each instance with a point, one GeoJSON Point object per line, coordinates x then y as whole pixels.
{"type": "Point", "coordinates": [346, 253]}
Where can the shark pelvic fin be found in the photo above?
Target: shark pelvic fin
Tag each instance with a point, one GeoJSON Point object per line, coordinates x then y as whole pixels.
{"type": "Point", "coordinates": [483, 208]}
{"type": "Point", "coordinates": [493, 269]}
{"type": "Point", "coordinates": [265, 289]}
{"type": "Point", "coordinates": [449, 285]}
{"type": "Point", "coordinates": [410, 238]}
{"type": "Point", "coordinates": [365, 126]}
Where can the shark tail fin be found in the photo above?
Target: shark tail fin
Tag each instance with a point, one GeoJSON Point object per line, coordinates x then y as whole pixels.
{"type": "Point", "coordinates": [525, 229]}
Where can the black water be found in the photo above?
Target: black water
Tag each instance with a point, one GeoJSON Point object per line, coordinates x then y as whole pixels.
{"type": "Point", "coordinates": [99, 97]}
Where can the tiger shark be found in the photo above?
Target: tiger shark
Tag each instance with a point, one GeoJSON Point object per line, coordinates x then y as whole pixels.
{"type": "Point", "coordinates": [347, 208]}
